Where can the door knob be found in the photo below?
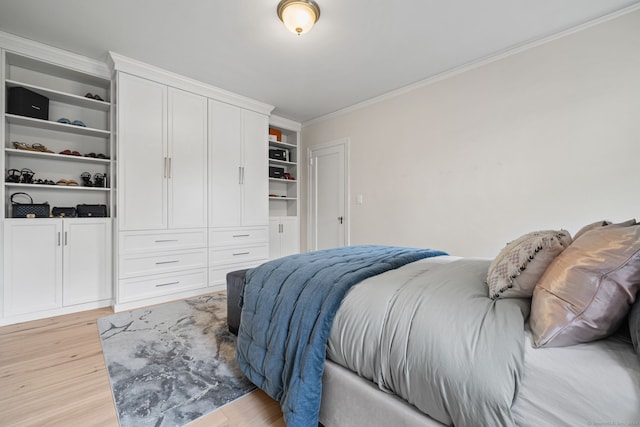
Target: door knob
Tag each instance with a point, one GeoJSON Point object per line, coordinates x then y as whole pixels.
{"type": "Point", "coordinates": [340, 219]}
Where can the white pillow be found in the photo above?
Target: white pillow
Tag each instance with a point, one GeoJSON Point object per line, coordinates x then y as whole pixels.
{"type": "Point", "coordinates": [518, 267]}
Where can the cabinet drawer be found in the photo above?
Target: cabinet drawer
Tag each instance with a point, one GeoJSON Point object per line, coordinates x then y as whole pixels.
{"type": "Point", "coordinates": [218, 275]}
{"type": "Point", "coordinates": [239, 255]}
{"type": "Point", "coordinates": [238, 236]}
{"type": "Point", "coordinates": [145, 241]}
{"type": "Point", "coordinates": [143, 264]}
{"type": "Point", "coordinates": [162, 284]}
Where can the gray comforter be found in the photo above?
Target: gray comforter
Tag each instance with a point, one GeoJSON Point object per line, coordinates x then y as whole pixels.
{"type": "Point", "coordinates": [429, 333]}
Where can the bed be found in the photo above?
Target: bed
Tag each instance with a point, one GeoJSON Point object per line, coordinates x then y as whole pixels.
{"type": "Point", "coordinates": [442, 340]}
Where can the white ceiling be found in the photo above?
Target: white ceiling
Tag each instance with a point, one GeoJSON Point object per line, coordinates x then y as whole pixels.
{"type": "Point", "coordinates": [359, 49]}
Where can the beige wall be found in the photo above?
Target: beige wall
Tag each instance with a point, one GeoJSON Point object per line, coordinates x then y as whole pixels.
{"type": "Point", "coordinates": [546, 138]}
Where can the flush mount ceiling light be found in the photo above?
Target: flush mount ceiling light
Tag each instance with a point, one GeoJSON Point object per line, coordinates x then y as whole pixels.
{"type": "Point", "coordinates": [298, 15]}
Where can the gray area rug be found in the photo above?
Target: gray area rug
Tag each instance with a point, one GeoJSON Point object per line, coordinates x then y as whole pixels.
{"type": "Point", "coordinates": [172, 363]}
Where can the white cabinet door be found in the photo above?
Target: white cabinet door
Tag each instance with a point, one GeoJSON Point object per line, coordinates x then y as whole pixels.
{"type": "Point", "coordinates": [86, 260]}
{"type": "Point", "coordinates": [187, 167]}
{"type": "Point", "coordinates": [33, 265]}
{"type": "Point", "coordinates": [255, 209]}
{"type": "Point", "coordinates": [274, 238]}
{"type": "Point", "coordinates": [238, 183]}
{"type": "Point", "coordinates": [225, 148]}
{"type": "Point", "coordinates": [290, 236]}
{"type": "Point", "coordinates": [142, 160]}
{"type": "Point", "coordinates": [284, 236]}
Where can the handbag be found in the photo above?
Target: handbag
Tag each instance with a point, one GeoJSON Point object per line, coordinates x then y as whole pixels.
{"type": "Point", "coordinates": [64, 212]}
{"type": "Point", "coordinates": [99, 211]}
{"type": "Point", "coordinates": [29, 210]}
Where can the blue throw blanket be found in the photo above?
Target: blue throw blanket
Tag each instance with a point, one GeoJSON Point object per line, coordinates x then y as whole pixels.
{"type": "Point", "coordinates": [288, 310]}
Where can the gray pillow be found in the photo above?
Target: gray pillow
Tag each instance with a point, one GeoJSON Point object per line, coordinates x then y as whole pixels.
{"type": "Point", "coordinates": [634, 325]}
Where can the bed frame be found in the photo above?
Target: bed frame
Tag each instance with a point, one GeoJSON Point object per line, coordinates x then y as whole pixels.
{"type": "Point", "coordinates": [350, 400]}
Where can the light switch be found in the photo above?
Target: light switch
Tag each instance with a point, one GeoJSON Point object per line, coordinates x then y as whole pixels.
{"type": "Point", "coordinates": [359, 199]}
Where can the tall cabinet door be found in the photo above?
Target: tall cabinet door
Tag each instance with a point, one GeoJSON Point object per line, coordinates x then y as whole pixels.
{"type": "Point", "coordinates": [225, 172]}
{"type": "Point", "coordinates": [255, 208]}
{"type": "Point", "coordinates": [187, 167]}
{"type": "Point", "coordinates": [290, 243]}
{"type": "Point", "coordinates": [33, 265]}
{"type": "Point", "coordinates": [86, 260]}
{"type": "Point", "coordinates": [142, 161]}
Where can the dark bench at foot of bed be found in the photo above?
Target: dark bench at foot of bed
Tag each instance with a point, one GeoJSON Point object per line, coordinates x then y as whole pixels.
{"type": "Point", "coordinates": [235, 284]}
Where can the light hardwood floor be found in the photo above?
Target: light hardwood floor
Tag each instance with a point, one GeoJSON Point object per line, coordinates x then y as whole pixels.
{"type": "Point", "coordinates": [52, 373]}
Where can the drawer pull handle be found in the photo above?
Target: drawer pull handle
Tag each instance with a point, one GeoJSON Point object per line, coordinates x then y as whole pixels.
{"type": "Point", "coordinates": [168, 284]}
{"type": "Point", "coordinates": [166, 240]}
{"type": "Point", "coordinates": [241, 253]}
{"type": "Point", "coordinates": [166, 262]}
{"type": "Point", "coordinates": [241, 235]}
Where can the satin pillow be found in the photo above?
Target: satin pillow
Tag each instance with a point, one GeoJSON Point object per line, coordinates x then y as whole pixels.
{"type": "Point", "coordinates": [588, 289]}
{"type": "Point", "coordinates": [589, 227]}
{"type": "Point", "coordinates": [634, 325]}
{"type": "Point", "coordinates": [517, 268]}
{"type": "Point", "coordinates": [600, 224]}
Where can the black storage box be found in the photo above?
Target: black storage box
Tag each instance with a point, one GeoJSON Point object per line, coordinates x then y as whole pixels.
{"type": "Point", "coordinates": [235, 288]}
{"type": "Point", "coordinates": [277, 154]}
{"type": "Point", "coordinates": [24, 102]}
{"type": "Point", "coordinates": [276, 172]}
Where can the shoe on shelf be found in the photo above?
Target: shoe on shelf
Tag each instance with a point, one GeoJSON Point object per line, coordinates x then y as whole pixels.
{"type": "Point", "coordinates": [66, 152]}
{"type": "Point", "coordinates": [72, 183]}
{"type": "Point", "coordinates": [62, 182]}
{"type": "Point", "coordinates": [14, 175]}
{"type": "Point", "coordinates": [26, 176]}
{"type": "Point", "coordinates": [41, 148]}
{"type": "Point", "coordinates": [64, 120]}
{"type": "Point", "coordinates": [78, 123]}
{"type": "Point", "coordinates": [86, 179]}
{"type": "Point", "coordinates": [96, 97]}
{"type": "Point", "coordinates": [23, 146]}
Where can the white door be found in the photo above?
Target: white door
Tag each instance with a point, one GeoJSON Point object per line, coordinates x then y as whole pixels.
{"type": "Point", "coordinates": [255, 172]}
{"type": "Point", "coordinates": [328, 203]}
{"type": "Point", "coordinates": [142, 145]}
{"type": "Point", "coordinates": [225, 145]}
{"type": "Point", "coordinates": [33, 265]}
{"type": "Point", "coordinates": [187, 164]}
{"type": "Point", "coordinates": [86, 260]}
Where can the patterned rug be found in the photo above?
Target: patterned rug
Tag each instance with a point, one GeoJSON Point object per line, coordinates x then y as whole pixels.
{"type": "Point", "coordinates": [172, 363]}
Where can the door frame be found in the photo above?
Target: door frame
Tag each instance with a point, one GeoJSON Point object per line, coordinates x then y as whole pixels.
{"type": "Point", "coordinates": [346, 143]}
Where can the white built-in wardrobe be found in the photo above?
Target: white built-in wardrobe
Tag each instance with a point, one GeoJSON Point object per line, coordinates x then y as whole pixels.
{"type": "Point", "coordinates": [192, 181]}
{"type": "Point", "coordinates": [187, 195]}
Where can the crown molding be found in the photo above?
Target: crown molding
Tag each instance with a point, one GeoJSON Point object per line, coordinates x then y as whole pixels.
{"type": "Point", "coordinates": [473, 65]}
{"type": "Point", "coordinates": [53, 55]}
{"type": "Point", "coordinates": [124, 64]}
{"type": "Point", "coordinates": [284, 123]}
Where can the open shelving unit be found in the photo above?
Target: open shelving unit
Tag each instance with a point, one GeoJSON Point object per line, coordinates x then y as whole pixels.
{"type": "Point", "coordinates": [66, 89]}
{"type": "Point", "coordinates": [284, 193]}
{"type": "Point", "coordinates": [72, 256]}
